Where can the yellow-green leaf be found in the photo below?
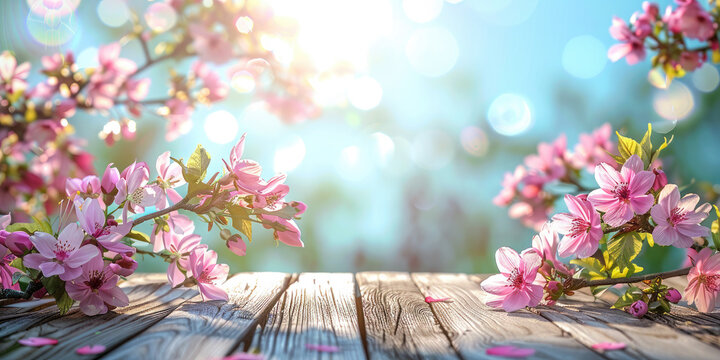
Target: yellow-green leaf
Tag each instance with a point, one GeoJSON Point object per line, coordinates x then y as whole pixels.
{"type": "Point", "coordinates": [662, 146]}
{"type": "Point", "coordinates": [591, 267]}
{"type": "Point", "coordinates": [646, 146]}
{"type": "Point", "coordinates": [616, 273]}
{"type": "Point", "coordinates": [241, 220]}
{"type": "Point", "coordinates": [197, 165]}
{"type": "Point", "coordinates": [622, 249]}
{"type": "Point", "coordinates": [649, 238]}
{"type": "Point", "coordinates": [628, 147]}
{"type": "Point", "coordinates": [715, 229]}
{"type": "Point", "coordinates": [632, 295]}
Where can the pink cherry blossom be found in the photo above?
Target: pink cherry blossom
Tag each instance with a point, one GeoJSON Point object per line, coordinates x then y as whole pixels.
{"type": "Point", "coordinates": [510, 351]}
{"type": "Point", "coordinates": [178, 117]}
{"type": "Point", "coordinates": [246, 174]}
{"type": "Point", "coordinates": [108, 234]}
{"type": "Point", "coordinates": [208, 274]}
{"type": "Point", "coordinates": [211, 46]}
{"type": "Point", "coordinates": [216, 89]}
{"type": "Point", "coordinates": [87, 187]}
{"type": "Point", "coordinates": [12, 75]}
{"type": "Point", "coordinates": [673, 296]}
{"type": "Point", "coordinates": [289, 233]}
{"type": "Point", "coordinates": [96, 288]}
{"type": "Point", "coordinates": [180, 248]}
{"type": "Point", "coordinates": [133, 190]}
{"type": "Point", "coordinates": [593, 149]}
{"type": "Point", "coordinates": [519, 284]}
{"type": "Point", "coordinates": [548, 164]}
{"type": "Point", "coordinates": [178, 224]}
{"type": "Point", "coordinates": [6, 270]}
{"type": "Point", "coordinates": [510, 186]}
{"type": "Point", "coordinates": [37, 341]}
{"type": "Point", "coordinates": [703, 280]}
{"type": "Point", "coordinates": [123, 265]}
{"type": "Point", "coordinates": [692, 20]}
{"type": "Point", "coordinates": [236, 244]}
{"type": "Point", "coordinates": [581, 227]}
{"type": "Point", "coordinates": [169, 178]}
{"type": "Point", "coordinates": [62, 256]}
{"type": "Point", "coordinates": [677, 219]}
{"type": "Point", "coordinates": [606, 346]}
{"type": "Point", "coordinates": [638, 309]}
{"type": "Point", "coordinates": [18, 242]}
{"type": "Point", "coordinates": [138, 89]}
{"type": "Point", "coordinates": [110, 178]}
{"type": "Point", "coordinates": [546, 243]}
{"type": "Point", "coordinates": [91, 349]}
{"type": "Point", "coordinates": [631, 48]}
{"type": "Point", "coordinates": [622, 194]}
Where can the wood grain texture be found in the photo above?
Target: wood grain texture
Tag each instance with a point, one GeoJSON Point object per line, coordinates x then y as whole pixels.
{"type": "Point", "coordinates": [473, 327]}
{"type": "Point", "coordinates": [398, 321]}
{"type": "Point", "coordinates": [317, 309]}
{"type": "Point", "coordinates": [209, 329]}
{"type": "Point", "coordinates": [149, 303]}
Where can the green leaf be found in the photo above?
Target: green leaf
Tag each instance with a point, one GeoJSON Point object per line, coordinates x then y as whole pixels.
{"type": "Point", "coordinates": [592, 268]}
{"type": "Point", "coordinates": [628, 271]}
{"type": "Point", "coordinates": [197, 165]}
{"type": "Point", "coordinates": [646, 146]}
{"type": "Point", "coordinates": [632, 295]}
{"type": "Point", "coordinates": [241, 220]}
{"type": "Point", "coordinates": [649, 238]}
{"type": "Point", "coordinates": [29, 228]}
{"type": "Point", "coordinates": [56, 288]}
{"type": "Point", "coordinates": [662, 146]}
{"type": "Point", "coordinates": [622, 249]}
{"type": "Point", "coordinates": [139, 236]}
{"type": "Point", "coordinates": [597, 291]}
{"type": "Point", "coordinates": [715, 229]}
{"type": "Point", "coordinates": [628, 147]}
{"type": "Point", "coordinates": [19, 275]}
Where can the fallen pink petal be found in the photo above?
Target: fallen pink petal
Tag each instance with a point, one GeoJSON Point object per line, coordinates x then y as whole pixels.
{"type": "Point", "coordinates": [37, 341]}
{"type": "Point", "coordinates": [430, 299]}
{"type": "Point", "coordinates": [510, 351]}
{"type": "Point", "coordinates": [243, 356]}
{"type": "Point", "coordinates": [91, 349]}
{"type": "Point", "coordinates": [609, 346]}
{"type": "Point", "coordinates": [323, 348]}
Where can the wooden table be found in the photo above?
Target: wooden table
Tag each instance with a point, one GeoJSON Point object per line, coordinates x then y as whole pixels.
{"type": "Point", "coordinates": [378, 315]}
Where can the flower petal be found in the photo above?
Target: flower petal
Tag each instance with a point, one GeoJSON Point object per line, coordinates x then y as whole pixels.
{"type": "Point", "coordinates": [37, 341]}
{"type": "Point", "coordinates": [510, 351]}
{"type": "Point", "coordinates": [507, 260]}
{"type": "Point", "coordinates": [91, 349]}
{"type": "Point", "coordinates": [82, 256]}
{"type": "Point", "coordinates": [609, 346]}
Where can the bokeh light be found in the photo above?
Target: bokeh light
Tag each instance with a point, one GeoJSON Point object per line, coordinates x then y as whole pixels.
{"type": "Point", "coordinates": [706, 78]}
{"type": "Point", "coordinates": [432, 51]}
{"type": "Point", "coordinates": [353, 164]}
{"type": "Point", "coordinates": [674, 103]}
{"type": "Point", "coordinates": [289, 155]}
{"type": "Point", "coordinates": [384, 148]}
{"type": "Point", "coordinates": [504, 12]}
{"type": "Point", "coordinates": [52, 22]}
{"type": "Point", "coordinates": [584, 56]}
{"type": "Point", "coordinates": [221, 127]}
{"type": "Point", "coordinates": [474, 141]}
{"type": "Point", "coordinates": [243, 82]}
{"type": "Point", "coordinates": [365, 93]}
{"type": "Point", "coordinates": [244, 24]}
{"type": "Point", "coordinates": [113, 13]}
{"type": "Point", "coordinates": [422, 11]}
{"type": "Point", "coordinates": [432, 149]}
{"type": "Point", "coordinates": [657, 78]}
{"type": "Point", "coordinates": [160, 17]}
{"type": "Point", "coordinates": [509, 114]}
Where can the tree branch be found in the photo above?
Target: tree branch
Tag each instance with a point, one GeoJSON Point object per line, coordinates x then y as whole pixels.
{"type": "Point", "coordinates": [581, 283]}
{"type": "Point", "coordinates": [179, 205]}
{"type": "Point", "coordinates": [17, 294]}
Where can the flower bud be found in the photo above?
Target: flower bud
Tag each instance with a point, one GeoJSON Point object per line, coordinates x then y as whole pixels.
{"type": "Point", "coordinates": [236, 244]}
{"type": "Point", "coordinates": [18, 243]}
{"type": "Point", "coordinates": [109, 179]}
{"type": "Point", "coordinates": [660, 180]}
{"type": "Point", "coordinates": [673, 296]}
{"type": "Point", "coordinates": [299, 206]}
{"type": "Point", "coordinates": [651, 9]}
{"type": "Point", "coordinates": [124, 266]}
{"type": "Point", "coordinates": [638, 309]}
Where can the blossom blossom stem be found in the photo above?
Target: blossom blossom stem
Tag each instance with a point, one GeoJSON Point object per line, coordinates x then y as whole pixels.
{"type": "Point", "coordinates": [182, 204]}
{"type": "Point", "coordinates": [17, 294]}
{"type": "Point", "coordinates": [581, 283]}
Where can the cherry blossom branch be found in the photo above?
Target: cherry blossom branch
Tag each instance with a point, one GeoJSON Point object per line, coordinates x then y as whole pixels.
{"type": "Point", "coordinates": [581, 283]}
{"type": "Point", "coordinates": [32, 287]}
{"type": "Point", "coordinates": [182, 204]}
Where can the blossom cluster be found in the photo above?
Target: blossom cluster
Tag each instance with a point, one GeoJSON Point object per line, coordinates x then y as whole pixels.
{"type": "Point", "coordinates": [38, 150]}
{"type": "Point", "coordinates": [682, 37]}
{"type": "Point", "coordinates": [81, 255]}
{"type": "Point", "coordinates": [604, 230]}
{"type": "Point", "coordinates": [526, 189]}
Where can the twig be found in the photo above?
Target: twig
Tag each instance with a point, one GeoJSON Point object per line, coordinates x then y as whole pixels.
{"type": "Point", "coordinates": [179, 205]}
{"type": "Point", "coordinates": [581, 283]}
{"type": "Point", "coordinates": [17, 294]}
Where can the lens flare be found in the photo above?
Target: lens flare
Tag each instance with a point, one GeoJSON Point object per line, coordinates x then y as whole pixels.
{"type": "Point", "coordinates": [365, 93]}
{"type": "Point", "coordinates": [422, 11]}
{"type": "Point", "coordinates": [474, 141]}
{"type": "Point", "coordinates": [243, 82]}
{"type": "Point", "coordinates": [160, 17]}
{"type": "Point", "coordinates": [52, 22]}
{"type": "Point", "coordinates": [384, 148]}
{"type": "Point", "coordinates": [584, 57]}
{"type": "Point", "coordinates": [113, 13]}
{"type": "Point", "coordinates": [221, 127]}
{"type": "Point", "coordinates": [706, 78]}
{"type": "Point", "coordinates": [657, 79]}
{"type": "Point", "coordinates": [509, 114]}
{"type": "Point", "coordinates": [432, 51]}
{"type": "Point", "coordinates": [674, 103]}
{"type": "Point", "coordinates": [244, 24]}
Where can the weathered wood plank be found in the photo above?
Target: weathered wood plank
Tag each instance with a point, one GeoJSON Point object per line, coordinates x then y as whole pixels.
{"type": "Point", "coordinates": [473, 327]}
{"type": "Point", "coordinates": [592, 322]}
{"type": "Point", "coordinates": [318, 309]}
{"type": "Point", "coordinates": [398, 321]}
{"type": "Point", "coordinates": [149, 303]}
{"type": "Point", "coordinates": [210, 329]}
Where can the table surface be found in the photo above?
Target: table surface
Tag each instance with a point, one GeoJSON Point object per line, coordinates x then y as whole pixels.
{"type": "Point", "coordinates": [376, 315]}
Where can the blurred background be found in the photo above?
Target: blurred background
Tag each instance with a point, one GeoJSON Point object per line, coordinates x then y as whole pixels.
{"type": "Point", "coordinates": [400, 170]}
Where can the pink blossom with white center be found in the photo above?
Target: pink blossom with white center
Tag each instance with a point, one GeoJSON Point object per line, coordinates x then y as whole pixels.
{"type": "Point", "coordinates": [581, 227]}
{"type": "Point", "coordinates": [178, 224]}
{"type": "Point", "coordinates": [12, 75]}
{"type": "Point", "coordinates": [87, 187]}
{"type": "Point", "coordinates": [677, 219]}
{"type": "Point", "coordinates": [180, 248]}
{"type": "Point", "coordinates": [546, 243]}
{"type": "Point", "coordinates": [169, 178]}
{"type": "Point", "coordinates": [208, 273]}
{"type": "Point", "coordinates": [632, 47]}
{"type": "Point", "coordinates": [519, 284]}
{"type": "Point", "coordinates": [133, 190]}
{"type": "Point", "coordinates": [703, 280]}
{"type": "Point", "coordinates": [108, 234]}
{"type": "Point", "coordinates": [622, 194]}
{"type": "Point", "coordinates": [62, 256]}
{"type": "Point", "coordinates": [96, 288]}
{"type": "Point", "coordinates": [691, 20]}
{"type": "Point", "coordinates": [593, 149]}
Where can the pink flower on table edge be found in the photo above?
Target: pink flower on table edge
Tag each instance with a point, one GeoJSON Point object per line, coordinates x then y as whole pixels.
{"type": "Point", "coordinates": [37, 341]}
{"type": "Point", "coordinates": [169, 177]}
{"type": "Point", "coordinates": [606, 346]}
{"type": "Point", "coordinates": [510, 351]}
{"type": "Point", "coordinates": [177, 223]}
{"type": "Point", "coordinates": [323, 348]}
{"type": "Point", "coordinates": [91, 349]}
{"type": "Point", "coordinates": [178, 116]}
{"type": "Point", "coordinates": [289, 232]}
{"type": "Point", "coordinates": [208, 273]}
{"type": "Point", "coordinates": [690, 19]}
{"type": "Point", "coordinates": [123, 266]}
{"type": "Point", "coordinates": [677, 219]}
{"type": "Point", "coordinates": [62, 256]}
{"type": "Point", "coordinates": [638, 309]}
{"type": "Point", "coordinates": [87, 187]}
{"type": "Point", "coordinates": [109, 236]}
{"type": "Point", "coordinates": [211, 46]}
{"type": "Point", "coordinates": [6, 270]}
{"type": "Point", "coordinates": [179, 247]}
{"type": "Point", "coordinates": [519, 284]}
{"type": "Point", "coordinates": [12, 75]}
{"type": "Point", "coordinates": [96, 288]}
{"type": "Point", "coordinates": [546, 243]}
{"type": "Point", "coordinates": [133, 189]}
{"type": "Point", "coordinates": [703, 280]}
{"type": "Point", "coordinates": [593, 149]}
{"type": "Point", "coordinates": [580, 227]}
{"type": "Point", "coordinates": [622, 194]}
{"type": "Point", "coordinates": [632, 47]}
